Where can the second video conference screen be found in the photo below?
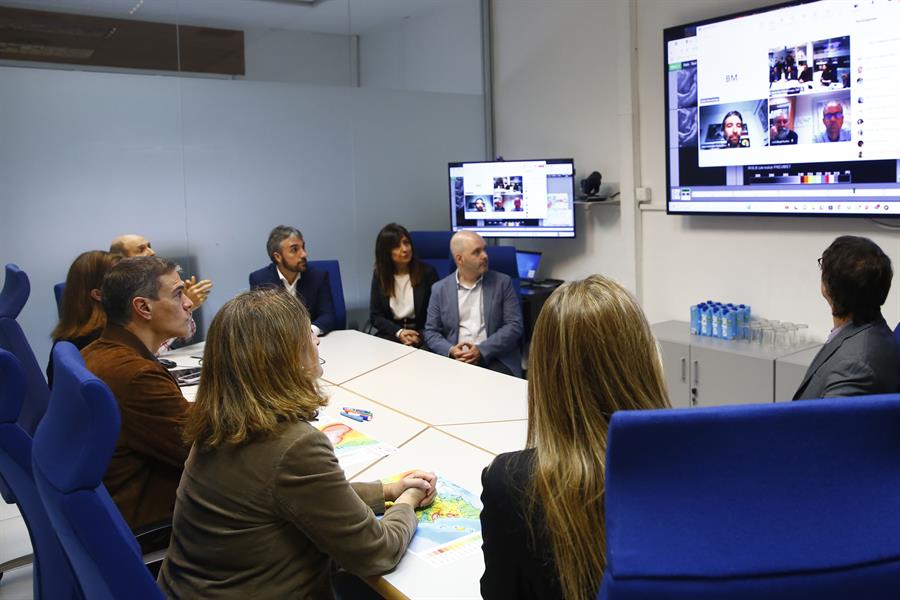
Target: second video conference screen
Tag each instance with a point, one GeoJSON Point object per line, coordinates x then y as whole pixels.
{"type": "Point", "coordinates": [786, 110]}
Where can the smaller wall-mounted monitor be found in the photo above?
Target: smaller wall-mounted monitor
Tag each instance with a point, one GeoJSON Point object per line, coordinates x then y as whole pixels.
{"type": "Point", "coordinates": [515, 198]}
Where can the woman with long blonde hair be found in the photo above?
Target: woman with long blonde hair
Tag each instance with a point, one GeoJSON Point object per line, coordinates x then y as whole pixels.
{"type": "Point", "coordinates": [592, 353]}
{"type": "Point", "coordinates": [263, 506]}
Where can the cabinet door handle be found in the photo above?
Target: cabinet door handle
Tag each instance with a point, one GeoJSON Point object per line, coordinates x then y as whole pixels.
{"type": "Point", "coordinates": [683, 370]}
{"type": "Point", "coordinates": [696, 372]}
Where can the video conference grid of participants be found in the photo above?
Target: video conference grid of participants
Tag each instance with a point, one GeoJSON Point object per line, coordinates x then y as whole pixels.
{"type": "Point", "coordinates": [782, 99]}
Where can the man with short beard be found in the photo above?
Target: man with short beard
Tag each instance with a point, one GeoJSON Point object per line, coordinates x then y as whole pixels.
{"type": "Point", "coordinates": [287, 251]}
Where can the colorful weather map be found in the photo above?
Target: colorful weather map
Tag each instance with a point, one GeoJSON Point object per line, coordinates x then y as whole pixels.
{"type": "Point", "coordinates": [351, 447]}
{"type": "Point", "coordinates": [450, 528]}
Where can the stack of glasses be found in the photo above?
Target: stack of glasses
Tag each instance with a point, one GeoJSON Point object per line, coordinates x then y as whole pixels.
{"type": "Point", "coordinates": [780, 335]}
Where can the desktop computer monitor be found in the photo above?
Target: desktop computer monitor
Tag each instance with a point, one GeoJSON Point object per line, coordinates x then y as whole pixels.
{"type": "Point", "coordinates": [514, 198]}
{"type": "Point", "coordinates": [527, 263]}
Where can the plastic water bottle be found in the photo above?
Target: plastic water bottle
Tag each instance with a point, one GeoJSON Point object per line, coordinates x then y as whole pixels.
{"type": "Point", "coordinates": [729, 324]}
{"type": "Point", "coordinates": [738, 322]}
{"type": "Point", "coordinates": [695, 319]}
{"type": "Point", "coordinates": [706, 319]}
{"type": "Point", "coordinates": [717, 322]}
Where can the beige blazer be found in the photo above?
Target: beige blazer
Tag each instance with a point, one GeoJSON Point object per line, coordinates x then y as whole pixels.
{"type": "Point", "coordinates": [271, 518]}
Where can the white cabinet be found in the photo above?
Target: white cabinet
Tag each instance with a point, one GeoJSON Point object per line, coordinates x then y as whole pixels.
{"type": "Point", "coordinates": [676, 358]}
{"type": "Point", "coordinates": [789, 372]}
{"type": "Point", "coordinates": [702, 371]}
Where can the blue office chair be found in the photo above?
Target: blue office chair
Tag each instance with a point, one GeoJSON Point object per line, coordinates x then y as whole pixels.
{"type": "Point", "coordinates": [72, 449]}
{"type": "Point", "coordinates": [503, 260]}
{"type": "Point", "coordinates": [16, 290]}
{"type": "Point", "coordinates": [433, 248]}
{"type": "Point", "coordinates": [58, 291]}
{"type": "Point", "coordinates": [337, 290]}
{"type": "Point", "coordinates": [775, 501]}
{"type": "Point", "coordinates": [52, 576]}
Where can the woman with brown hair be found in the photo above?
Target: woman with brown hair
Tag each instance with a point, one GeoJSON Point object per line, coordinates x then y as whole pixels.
{"type": "Point", "coordinates": [592, 354]}
{"type": "Point", "coordinates": [401, 287]}
{"type": "Point", "coordinates": [81, 319]}
{"type": "Point", "coordinates": [263, 506]}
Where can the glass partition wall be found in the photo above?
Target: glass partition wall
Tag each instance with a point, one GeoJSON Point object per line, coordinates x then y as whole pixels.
{"type": "Point", "coordinates": [201, 124]}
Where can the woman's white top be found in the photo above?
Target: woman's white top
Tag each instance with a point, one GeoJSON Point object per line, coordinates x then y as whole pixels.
{"type": "Point", "coordinates": [402, 304]}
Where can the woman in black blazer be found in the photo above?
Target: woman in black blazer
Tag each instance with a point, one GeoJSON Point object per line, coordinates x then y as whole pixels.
{"type": "Point", "coordinates": [592, 353]}
{"type": "Point", "coordinates": [401, 288]}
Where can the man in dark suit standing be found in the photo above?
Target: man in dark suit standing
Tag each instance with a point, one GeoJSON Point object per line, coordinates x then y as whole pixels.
{"type": "Point", "coordinates": [474, 314]}
{"type": "Point", "coordinates": [860, 356]}
{"type": "Point", "coordinates": [289, 268]}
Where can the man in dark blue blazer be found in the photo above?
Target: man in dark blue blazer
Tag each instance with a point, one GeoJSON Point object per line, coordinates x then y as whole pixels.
{"type": "Point", "coordinates": [474, 314]}
{"type": "Point", "coordinates": [860, 356]}
{"type": "Point", "coordinates": [289, 269]}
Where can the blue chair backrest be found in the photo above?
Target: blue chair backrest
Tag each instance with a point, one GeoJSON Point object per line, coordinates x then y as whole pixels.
{"type": "Point", "coordinates": [52, 576]}
{"type": "Point", "coordinates": [16, 289]}
{"type": "Point", "coordinates": [503, 260]}
{"type": "Point", "coordinates": [443, 266]}
{"type": "Point", "coordinates": [433, 248]}
{"type": "Point", "coordinates": [58, 291]}
{"type": "Point", "coordinates": [337, 290]}
{"type": "Point", "coordinates": [72, 448]}
{"type": "Point", "coordinates": [431, 244]}
{"type": "Point", "coordinates": [775, 501]}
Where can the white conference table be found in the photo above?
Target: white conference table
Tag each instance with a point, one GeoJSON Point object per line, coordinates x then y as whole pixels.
{"type": "Point", "coordinates": [441, 391]}
{"type": "Point", "coordinates": [348, 354]}
{"type": "Point", "coordinates": [460, 463]}
{"type": "Point", "coordinates": [440, 414]}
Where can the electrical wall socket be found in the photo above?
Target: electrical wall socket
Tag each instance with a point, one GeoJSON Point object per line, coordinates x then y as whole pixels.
{"type": "Point", "coordinates": [642, 195]}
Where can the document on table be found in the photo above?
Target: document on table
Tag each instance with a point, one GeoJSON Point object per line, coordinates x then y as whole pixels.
{"type": "Point", "coordinates": [351, 447]}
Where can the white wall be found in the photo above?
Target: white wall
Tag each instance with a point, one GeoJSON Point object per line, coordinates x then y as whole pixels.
{"type": "Point", "coordinates": [298, 57]}
{"type": "Point", "coordinates": [435, 52]}
{"type": "Point", "coordinates": [561, 89]}
{"type": "Point", "coordinates": [206, 167]}
{"type": "Point", "coordinates": [563, 82]}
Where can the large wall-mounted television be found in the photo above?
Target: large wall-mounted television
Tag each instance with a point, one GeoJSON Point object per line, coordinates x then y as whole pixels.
{"type": "Point", "coordinates": [791, 109]}
{"type": "Point", "coordinates": [514, 198]}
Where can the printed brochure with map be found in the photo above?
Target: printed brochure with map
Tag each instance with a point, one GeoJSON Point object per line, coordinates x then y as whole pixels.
{"type": "Point", "coordinates": [450, 528]}
{"type": "Point", "coordinates": [351, 447]}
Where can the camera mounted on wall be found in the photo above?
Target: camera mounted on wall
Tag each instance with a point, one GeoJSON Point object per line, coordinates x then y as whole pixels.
{"type": "Point", "coordinates": [590, 188]}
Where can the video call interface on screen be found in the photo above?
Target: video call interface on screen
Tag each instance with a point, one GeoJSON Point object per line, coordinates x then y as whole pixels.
{"type": "Point", "coordinates": [791, 110]}
{"type": "Point", "coordinates": [531, 198]}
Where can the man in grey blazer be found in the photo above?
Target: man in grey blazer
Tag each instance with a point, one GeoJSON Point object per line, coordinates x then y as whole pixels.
{"type": "Point", "coordinates": [860, 356]}
{"type": "Point", "coordinates": [474, 314]}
